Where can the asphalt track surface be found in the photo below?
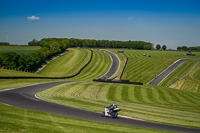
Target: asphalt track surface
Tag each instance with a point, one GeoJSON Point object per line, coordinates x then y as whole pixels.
{"type": "Point", "coordinates": [25, 97]}
{"type": "Point", "coordinates": [167, 71]}
{"type": "Point", "coordinates": [115, 65]}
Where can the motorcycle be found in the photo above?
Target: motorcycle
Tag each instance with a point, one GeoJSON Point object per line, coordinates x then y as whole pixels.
{"type": "Point", "coordinates": [113, 114]}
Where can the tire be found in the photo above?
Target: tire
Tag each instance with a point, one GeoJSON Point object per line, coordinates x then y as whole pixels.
{"type": "Point", "coordinates": [103, 114]}
{"type": "Point", "coordinates": [114, 116]}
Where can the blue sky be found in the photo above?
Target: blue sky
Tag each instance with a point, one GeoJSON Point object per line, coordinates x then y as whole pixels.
{"type": "Point", "coordinates": [169, 22]}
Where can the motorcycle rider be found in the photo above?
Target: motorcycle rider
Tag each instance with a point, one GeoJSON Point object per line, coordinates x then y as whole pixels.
{"type": "Point", "coordinates": [112, 107]}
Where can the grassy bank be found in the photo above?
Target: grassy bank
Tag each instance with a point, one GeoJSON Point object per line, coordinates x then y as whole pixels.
{"type": "Point", "coordinates": [143, 68]}
{"type": "Point", "coordinates": [151, 103]}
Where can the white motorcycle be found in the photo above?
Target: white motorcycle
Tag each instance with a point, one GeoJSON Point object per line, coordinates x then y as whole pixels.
{"type": "Point", "coordinates": [112, 114]}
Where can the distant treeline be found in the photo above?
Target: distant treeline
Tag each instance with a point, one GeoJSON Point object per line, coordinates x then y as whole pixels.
{"type": "Point", "coordinates": [4, 44]}
{"type": "Point", "coordinates": [72, 42]}
{"type": "Point", "coordinates": [52, 46]}
{"type": "Point", "coordinates": [185, 48]}
{"type": "Point", "coordinates": [32, 61]}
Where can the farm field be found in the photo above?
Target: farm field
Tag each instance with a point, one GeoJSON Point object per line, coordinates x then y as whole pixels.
{"type": "Point", "coordinates": [143, 68]}
{"type": "Point", "coordinates": [152, 103]}
{"type": "Point", "coordinates": [18, 49]}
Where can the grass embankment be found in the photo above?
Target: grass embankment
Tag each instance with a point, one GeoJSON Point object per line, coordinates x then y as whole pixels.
{"type": "Point", "coordinates": [15, 119]}
{"type": "Point", "coordinates": [185, 67]}
{"type": "Point", "coordinates": [190, 82]}
{"type": "Point", "coordinates": [143, 68]}
{"type": "Point", "coordinates": [99, 65]}
{"type": "Point", "coordinates": [18, 49]}
{"type": "Point", "coordinates": [152, 103]}
{"type": "Point", "coordinates": [122, 59]}
{"type": "Point", "coordinates": [68, 64]}
{"type": "Point", "coordinates": [14, 73]}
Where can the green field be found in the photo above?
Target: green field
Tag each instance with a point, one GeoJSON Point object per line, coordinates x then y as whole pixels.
{"type": "Point", "coordinates": [190, 82]}
{"type": "Point", "coordinates": [178, 72]}
{"type": "Point", "coordinates": [179, 106]}
{"type": "Point", "coordinates": [19, 120]}
{"type": "Point", "coordinates": [152, 103]}
{"type": "Point", "coordinates": [143, 69]}
{"type": "Point", "coordinates": [18, 49]}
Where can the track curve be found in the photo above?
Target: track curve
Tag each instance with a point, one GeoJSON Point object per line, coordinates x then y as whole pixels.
{"type": "Point", "coordinates": [24, 97]}
{"type": "Point", "coordinates": [115, 64]}
{"type": "Point", "coordinates": [159, 78]}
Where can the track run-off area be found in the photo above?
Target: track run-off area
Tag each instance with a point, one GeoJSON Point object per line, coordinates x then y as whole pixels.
{"type": "Point", "coordinates": [25, 97]}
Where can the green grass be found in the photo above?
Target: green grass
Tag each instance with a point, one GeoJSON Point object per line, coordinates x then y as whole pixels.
{"type": "Point", "coordinates": [99, 65]}
{"type": "Point", "coordinates": [178, 72]}
{"type": "Point", "coordinates": [190, 82]}
{"type": "Point", "coordinates": [15, 119]}
{"type": "Point", "coordinates": [18, 49]}
{"type": "Point", "coordinates": [11, 73]}
{"type": "Point", "coordinates": [16, 83]}
{"type": "Point", "coordinates": [68, 64]}
{"type": "Point", "coordinates": [143, 69]}
{"type": "Point", "coordinates": [152, 103]}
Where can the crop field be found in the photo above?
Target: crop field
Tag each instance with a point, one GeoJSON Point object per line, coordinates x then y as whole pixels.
{"type": "Point", "coordinates": [152, 103]}
{"type": "Point", "coordinates": [143, 68]}
{"type": "Point", "coordinates": [190, 82]}
{"type": "Point", "coordinates": [18, 49]}
{"type": "Point", "coordinates": [68, 64]}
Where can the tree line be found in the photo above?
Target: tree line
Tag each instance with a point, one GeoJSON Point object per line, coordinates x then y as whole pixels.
{"type": "Point", "coordinates": [4, 44]}
{"type": "Point", "coordinates": [185, 48]}
{"type": "Point", "coordinates": [52, 46]}
{"type": "Point", "coordinates": [32, 61]}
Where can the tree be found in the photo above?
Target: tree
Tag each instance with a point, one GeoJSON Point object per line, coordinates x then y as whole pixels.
{"type": "Point", "coordinates": [179, 48]}
{"type": "Point", "coordinates": [158, 47]}
{"type": "Point", "coordinates": [164, 47]}
{"type": "Point", "coordinates": [34, 42]}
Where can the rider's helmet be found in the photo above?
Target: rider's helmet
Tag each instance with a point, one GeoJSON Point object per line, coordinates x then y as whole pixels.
{"type": "Point", "coordinates": [114, 105]}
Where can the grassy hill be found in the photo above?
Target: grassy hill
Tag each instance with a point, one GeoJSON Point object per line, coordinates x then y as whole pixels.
{"type": "Point", "coordinates": [143, 68]}
{"type": "Point", "coordinates": [99, 65]}
{"type": "Point", "coordinates": [68, 64]}
{"type": "Point", "coordinates": [190, 82]}
{"type": "Point", "coordinates": [152, 103]}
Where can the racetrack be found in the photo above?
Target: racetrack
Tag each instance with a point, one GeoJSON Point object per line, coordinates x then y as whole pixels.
{"type": "Point", "coordinates": [159, 78]}
{"type": "Point", "coordinates": [25, 97]}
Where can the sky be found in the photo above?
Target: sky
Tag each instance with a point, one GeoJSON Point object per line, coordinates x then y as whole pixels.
{"type": "Point", "coordinates": [165, 22]}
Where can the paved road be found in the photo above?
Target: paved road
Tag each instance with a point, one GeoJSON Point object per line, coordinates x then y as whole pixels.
{"type": "Point", "coordinates": [167, 71]}
{"type": "Point", "coordinates": [115, 65]}
{"type": "Point", "coordinates": [24, 97]}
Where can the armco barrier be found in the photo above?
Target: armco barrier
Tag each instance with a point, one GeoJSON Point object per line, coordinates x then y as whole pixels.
{"type": "Point", "coordinates": [118, 81]}
{"type": "Point", "coordinates": [52, 77]}
{"type": "Point", "coordinates": [123, 68]}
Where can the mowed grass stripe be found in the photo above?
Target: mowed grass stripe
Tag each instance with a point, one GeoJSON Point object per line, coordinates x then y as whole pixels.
{"type": "Point", "coordinates": [142, 68]}
{"type": "Point", "coordinates": [68, 64]}
{"type": "Point", "coordinates": [147, 102]}
{"type": "Point", "coordinates": [178, 73]}
{"type": "Point", "coordinates": [99, 65]}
